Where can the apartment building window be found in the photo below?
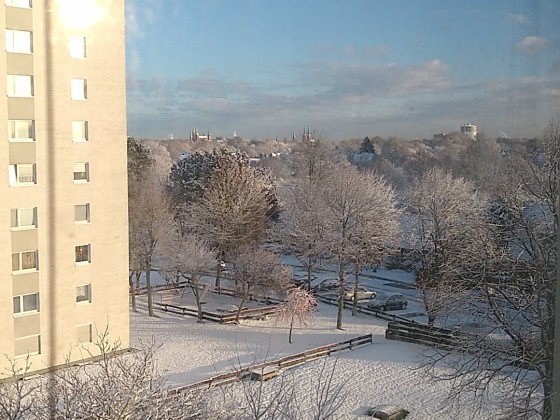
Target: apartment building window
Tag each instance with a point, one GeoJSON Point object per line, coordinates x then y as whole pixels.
{"type": "Point", "coordinates": [19, 41]}
{"type": "Point", "coordinates": [20, 86]}
{"type": "Point", "coordinates": [81, 213]}
{"type": "Point", "coordinates": [78, 89]}
{"type": "Point", "coordinates": [24, 261]}
{"type": "Point", "coordinates": [21, 130]}
{"type": "Point", "coordinates": [83, 254]}
{"type": "Point", "coordinates": [23, 218]}
{"type": "Point", "coordinates": [19, 3]}
{"type": "Point", "coordinates": [84, 333]}
{"type": "Point", "coordinates": [22, 174]}
{"type": "Point", "coordinates": [77, 47]}
{"type": "Point", "coordinates": [83, 294]}
{"type": "Point", "coordinates": [81, 172]}
{"type": "Point", "coordinates": [26, 304]}
{"type": "Point", "coordinates": [30, 345]}
{"type": "Point", "coordinates": [79, 131]}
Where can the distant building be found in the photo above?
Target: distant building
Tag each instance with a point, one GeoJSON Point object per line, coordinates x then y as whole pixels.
{"type": "Point", "coordinates": [439, 136]}
{"type": "Point", "coordinates": [469, 130]}
{"type": "Point", "coordinates": [194, 135]}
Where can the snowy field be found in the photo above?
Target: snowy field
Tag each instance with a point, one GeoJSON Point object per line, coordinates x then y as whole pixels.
{"type": "Point", "coordinates": [385, 372]}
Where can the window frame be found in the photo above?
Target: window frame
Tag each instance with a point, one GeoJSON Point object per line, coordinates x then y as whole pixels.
{"type": "Point", "coordinates": [23, 355]}
{"type": "Point", "coordinates": [77, 47]}
{"type": "Point", "coordinates": [87, 211]}
{"type": "Point", "coordinates": [84, 180]}
{"type": "Point", "coordinates": [87, 297]}
{"type": "Point", "coordinates": [18, 218]}
{"type": "Point", "coordinates": [14, 38]}
{"type": "Point", "coordinates": [76, 254]}
{"type": "Point", "coordinates": [78, 89]}
{"type": "Point", "coordinates": [14, 175]}
{"type": "Point", "coordinates": [84, 129]}
{"type": "Point", "coordinates": [21, 270]}
{"type": "Point", "coordinates": [17, 91]}
{"type": "Point", "coordinates": [23, 4]}
{"type": "Point", "coordinates": [22, 311]}
{"type": "Point", "coordinates": [14, 130]}
{"type": "Point", "coordinates": [90, 328]}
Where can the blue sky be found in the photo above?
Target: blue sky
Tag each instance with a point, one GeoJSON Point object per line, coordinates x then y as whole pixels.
{"type": "Point", "coordinates": [346, 69]}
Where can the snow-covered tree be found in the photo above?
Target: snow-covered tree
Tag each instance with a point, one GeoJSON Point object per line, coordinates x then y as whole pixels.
{"type": "Point", "coordinates": [151, 224]}
{"type": "Point", "coordinates": [254, 269]}
{"type": "Point", "coordinates": [512, 283]}
{"type": "Point", "coordinates": [189, 255]}
{"type": "Point", "coordinates": [448, 217]}
{"type": "Point", "coordinates": [301, 224]}
{"type": "Point", "coordinates": [298, 308]}
{"type": "Point", "coordinates": [233, 210]}
{"type": "Point", "coordinates": [361, 221]}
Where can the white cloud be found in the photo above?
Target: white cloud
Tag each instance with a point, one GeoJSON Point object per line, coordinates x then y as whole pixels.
{"type": "Point", "coordinates": [531, 44]}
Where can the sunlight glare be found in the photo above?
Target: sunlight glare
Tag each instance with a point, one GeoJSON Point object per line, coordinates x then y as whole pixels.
{"type": "Point", "coordinates": [81, 13]}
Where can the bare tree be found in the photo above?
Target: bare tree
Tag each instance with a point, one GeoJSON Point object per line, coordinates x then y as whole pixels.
{"type": "Point", "coordinates": [511, 298]}
{"type": "Point", "coordinates": [109, 386]}
{"type": "Point", "coordinates": [447, 216]}
{"type": "Point", "coordinates": [298, 307]}
{"type": "Point", "coordinates": [16, 395]}
{"type": "Point", "coordinates": [151, 223]}
{"type": "Point", "coordinates": [258, 269]}
{"type": "Point", "coordinates": [190, 255]}
{"type": "Point", "coordinates": [361, 221]}
{"type": "Point", "coordinates": [301, 224]}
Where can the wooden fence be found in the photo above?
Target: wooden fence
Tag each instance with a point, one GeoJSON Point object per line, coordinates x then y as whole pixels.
{"type": "Point", "coordinates": [411, 332]}
{"type": "Point", "coordinates": [211, 316]}
{"type": "Point", "coordinates": [282, 363]}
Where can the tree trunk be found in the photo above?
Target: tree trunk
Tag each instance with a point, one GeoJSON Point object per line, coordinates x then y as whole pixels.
{"type": "Point", "coordinates": [218, 276]}
{"type": "Point", "coordinates": [356, 284]}
{"type": "Point", "coordinates": [340, 295]}
{"type": "Point", "coordinates": [243, 300]}
{"type": "Point", "coordinates": [309, 267]}
{"type": "Point", "coordinates": [291, 327]}
{"type": "Point", "coordinates": [132, 291]}
{"type": "Point", "coordinates": [138, 274]}
{"type": "Point", "coordinates": [149, 287]}
{"type": "Point", "coordinates": [197, 292]}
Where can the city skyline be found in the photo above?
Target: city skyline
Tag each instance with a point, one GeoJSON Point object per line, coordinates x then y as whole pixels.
{"type": "Point", "coordinates": [408, 69]}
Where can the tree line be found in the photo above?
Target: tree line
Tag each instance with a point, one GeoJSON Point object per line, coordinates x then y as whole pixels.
{"type": "Point", "coordinates": [478, 225]}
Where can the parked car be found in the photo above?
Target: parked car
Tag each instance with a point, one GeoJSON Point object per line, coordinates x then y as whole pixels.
{"type": "Point", "coordinates": [388, 303]}
{"type": "Point", "coordinates": [363, 293]}
{"type": "Point", "coordinates": [327, 285]}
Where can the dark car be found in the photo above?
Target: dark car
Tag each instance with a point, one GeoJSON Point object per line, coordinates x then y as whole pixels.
{"type": "Point", "coordinates": [388, 303]}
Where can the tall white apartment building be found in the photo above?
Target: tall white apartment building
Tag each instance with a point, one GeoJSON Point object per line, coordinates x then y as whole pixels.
{"type": "Point", "coordinates": [63, 193]}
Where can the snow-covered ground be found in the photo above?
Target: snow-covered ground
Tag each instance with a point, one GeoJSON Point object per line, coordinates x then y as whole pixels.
{"type": "Point", "coordinates": [385, 372]}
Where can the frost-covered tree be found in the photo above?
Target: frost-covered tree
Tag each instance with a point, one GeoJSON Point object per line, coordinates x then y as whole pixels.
{"type": "Point", "coordinates": [298, 308]}
{"type": "Point", "coordinates": [190, 176]}
{"type": "Point", "coordinates": [234, 208]}
{"type": "Point", "coordinates": [361, 222]}
{"type": "Point", "coordinates": [512, 293]}
{"type": "Point", "coordinates": [254, 269]}
{"type": "Point", "coordinates": [111, 386]}
{"type": "Point", "coordinates": [447, 217]}
{"type": "Point", "coordinates": [188, 255]}
{"type": "Point", "coordinates": [301, 224]}
{"type": "Point", "coordinates": [151, 224]}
